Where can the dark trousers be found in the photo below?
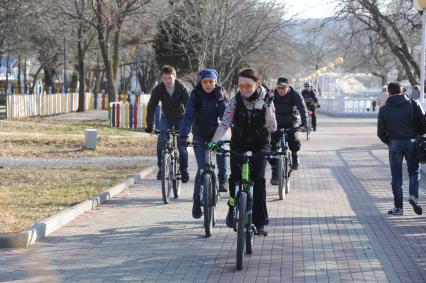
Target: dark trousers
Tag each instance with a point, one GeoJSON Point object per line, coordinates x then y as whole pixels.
{"type": "Point", "coordinates": [314, 119]}
{"type": "Point", "coordinates": [199, 152]}
{"type": "Point", "coordinates": [294, 145]}
{"type": "Point", "coordinates": [166, 124]}
{"type": "Point", "coordinates": [257, 175]}
{"type": "Point", "coordinates": [398, 149]}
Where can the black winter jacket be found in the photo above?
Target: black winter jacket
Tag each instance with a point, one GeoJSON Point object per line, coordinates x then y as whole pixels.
{"type": "Point", "coordinates": [398, 119]}
{"type": "Point", "coordinates": [173, 107]}
{"type": "Point", "coordinates": [285, 108]}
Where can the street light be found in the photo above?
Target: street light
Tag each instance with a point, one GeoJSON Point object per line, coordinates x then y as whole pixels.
{"type": "Point", "coordinates": [330, 66]}
{"type": "Point", "coordinates": [323, 70]}
{"type": "Point", "coordinates": [339, 62]}
{"type": "Point", "coordinates": [420, 6]}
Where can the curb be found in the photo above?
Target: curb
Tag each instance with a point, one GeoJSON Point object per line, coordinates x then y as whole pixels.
{"type": "Point", "coordinates": [42, 229]}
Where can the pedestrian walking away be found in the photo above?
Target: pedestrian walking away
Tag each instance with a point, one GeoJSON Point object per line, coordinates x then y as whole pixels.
{"type": "Point", "coordinates": [398, 126]}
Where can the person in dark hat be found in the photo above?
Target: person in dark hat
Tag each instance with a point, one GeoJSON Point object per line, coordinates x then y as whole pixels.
{"type": "Point", "coordinates": [286, 100]}
{"type": "Point", "coordinates": [205, 108]}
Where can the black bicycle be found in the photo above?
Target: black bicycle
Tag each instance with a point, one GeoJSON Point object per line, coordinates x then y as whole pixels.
{"type": "Point", "coordinates": [284, 162]}
{"type": "Point", "coordinates": [243, 208]}
{"type": "Point", "coordinates": [170, 175]}
{"type": "Point", "coordinates": [209, 189]}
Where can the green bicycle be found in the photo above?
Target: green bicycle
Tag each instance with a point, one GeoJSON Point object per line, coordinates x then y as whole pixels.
{"type": "Point", "coordinates": [243, 208]}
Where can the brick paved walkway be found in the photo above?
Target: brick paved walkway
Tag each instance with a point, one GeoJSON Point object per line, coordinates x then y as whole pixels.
{"type": "Point", "coordinates": [332, 227]}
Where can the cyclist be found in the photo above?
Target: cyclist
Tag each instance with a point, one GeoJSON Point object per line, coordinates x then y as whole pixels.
{"type": "Point", "coordinates": [286, 99]}
{"type": "Point", "coordinates": [310, 96]}
{"type": "Point", "coordinates": [204, 109]}
{"type": "Point", "coordinates": [250, 114]}
{"type": "Point", "coordinates": [173, 95]}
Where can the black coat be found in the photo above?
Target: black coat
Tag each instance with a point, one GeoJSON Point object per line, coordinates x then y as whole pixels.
{"type": "Point", "coordinates": [285, 111]}
{"type": "Point", "coordinates": [173, 107]}
{"type": "Point", "coordinates": [398, 119]}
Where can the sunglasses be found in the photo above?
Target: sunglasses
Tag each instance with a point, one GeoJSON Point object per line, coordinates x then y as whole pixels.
{"type": "Point", "coordinates": [208, 82]}
{"type": "Point", "coordinates": [246, 86]}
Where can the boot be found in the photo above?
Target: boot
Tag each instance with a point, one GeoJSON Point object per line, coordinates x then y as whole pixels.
{"type": "Point", "coordinates": [222, 186]}
{"type": "Point", "coordinates": [230, 216]}
{"type": "Point", "coordinates": [184, 176]}
{"type": "Point", "coordinates": [295, 163]}
{"type": "Point", "coordinates": [196, 209]}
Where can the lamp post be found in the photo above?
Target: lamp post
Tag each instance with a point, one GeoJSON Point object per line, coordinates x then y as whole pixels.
{"type": "Point", "coordinates": [420, 6]}
{"type": "Point", "coordinates": [65, 65]}
{"type": "Point", "coordinates": [323, 70]}
{"type": "Point", "coordinates": [339, 62]}
{"type": "Point", "coordinates": [330, 66]}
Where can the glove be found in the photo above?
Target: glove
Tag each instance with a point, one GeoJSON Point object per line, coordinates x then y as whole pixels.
{"type": "Point", "coordinates": [212, 145]}
{"type": "Point", "coordinates": [148, 130]}
{"type": "Point", "coordinates": [183, 142]}
{"type": "Point", "coordinates": [268, 100]}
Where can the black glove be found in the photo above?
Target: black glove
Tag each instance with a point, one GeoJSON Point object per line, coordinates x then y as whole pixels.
{"type": "Point", "coordinates": [148, 130]}
{"type": "Point", "coordinates": [268, 99]}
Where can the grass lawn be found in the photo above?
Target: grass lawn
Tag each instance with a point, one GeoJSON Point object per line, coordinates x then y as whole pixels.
{"type": "Point", "coordinates": [44, 138]}
{"type": "Point", "coordinates": [30, 195]}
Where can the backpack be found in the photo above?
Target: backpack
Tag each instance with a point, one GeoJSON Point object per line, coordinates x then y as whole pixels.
{"type": "Point", "coordinates": [420, 151]}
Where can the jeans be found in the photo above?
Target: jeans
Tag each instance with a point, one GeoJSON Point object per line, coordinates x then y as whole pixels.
{"type": "Point", "coordinates": [199, 152]}
{"type": "Point", "coordinates": [398, 149]}
{"type": "Point", "coordinates": [166, 124]}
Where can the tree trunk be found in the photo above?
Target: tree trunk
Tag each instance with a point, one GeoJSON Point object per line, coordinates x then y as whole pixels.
{"type": "Point", "coordinates": [104, 46]}
{"type": "Point", "coordinates": [18, 89]}
{"type": "Point", "coordinates": [48, 79]}
{"type": "Point", "coordinates": [80, 53]}
{"type": "Point", "coordinates": [25, 76]}
{"type": "Point", "coordinates": [35, 79]}
{"type": "Point", "coordinates": [116, 51]}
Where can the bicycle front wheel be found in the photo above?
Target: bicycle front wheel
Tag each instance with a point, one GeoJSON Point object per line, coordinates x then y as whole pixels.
{"type": "Point", "coordinates": [242, 209]}
{"type": "Point", "coordinates": [166, 177]}
{"type": "Point", "coordinates": [287, 173]}
{"type": "Point", "coordinates": [280, 175]}
{"type": "Point", "coordinates": [177, 183]}
{"type": "Point", "coordinates": [207, 204]}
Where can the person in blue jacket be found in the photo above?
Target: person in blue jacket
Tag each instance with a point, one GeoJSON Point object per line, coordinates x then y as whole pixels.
{"type": "Point", "coordinates": [205, 108]}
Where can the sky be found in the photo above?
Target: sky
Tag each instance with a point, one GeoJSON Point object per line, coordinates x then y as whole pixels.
{"type": "Point", "coordinates": [311, 8]}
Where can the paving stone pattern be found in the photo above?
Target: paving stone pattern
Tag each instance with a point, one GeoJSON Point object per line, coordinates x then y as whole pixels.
{"type": "Point", "coordinates": [332, 227]}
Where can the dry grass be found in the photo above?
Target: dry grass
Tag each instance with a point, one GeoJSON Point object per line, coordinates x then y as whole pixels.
{"type": "Point", "coordinates": [30, 195]}
{"type": "Point", "coordinates": [47, 126]}
{"type": "Point", "coordinates": [67, 146]}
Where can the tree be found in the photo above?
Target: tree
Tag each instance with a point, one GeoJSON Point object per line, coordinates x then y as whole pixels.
{"type": "Point", "coordinates": [392, 22]}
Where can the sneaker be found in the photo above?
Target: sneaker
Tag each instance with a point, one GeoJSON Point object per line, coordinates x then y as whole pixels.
{"type": "Point", "coordinates": [274, 181]}
{"type": "Point", "coordinates": [414, 202]}
{"type": "Point", "coordinates": [262, 230]}
{"type": "Point", "coordinates": [196, 209]}
{"type": "Point", "coordinates": [230, 217]}
{"type": "Point", "coordinates": [184, 176]}
{"type": "Point", "coordinates": [295, 163]}
{"type": "Point", "coordinates": [222, 187]}
{"type": "Point", "coordinates": [396, 211]}
{"type": "Point", "coordinates": [159, 175]}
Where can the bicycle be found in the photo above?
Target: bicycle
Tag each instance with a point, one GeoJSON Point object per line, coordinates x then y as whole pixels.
{"type": "Point", "coordinates": [209, 189]}
{"type": "Point", "coordinates": [170, 175]}
{"type": "Point", "coordinates": [284, 163]}
{"type": "Point", "coordinates": [243, 208]}
{"type": "Point", "coordinates": [309, 125]}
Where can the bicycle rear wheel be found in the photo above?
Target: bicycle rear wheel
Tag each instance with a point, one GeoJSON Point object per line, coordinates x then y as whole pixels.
{"type": "Point", "coordinates": [207, 204]}
{"type": "Point", "coordinates": [177, 183]}
{"type": "Point", "coordinates": [280, 175]}
{"type": "Point", "coordinates": [242, 208]}
{"type": "Point", "coordinates": [166, 171]}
